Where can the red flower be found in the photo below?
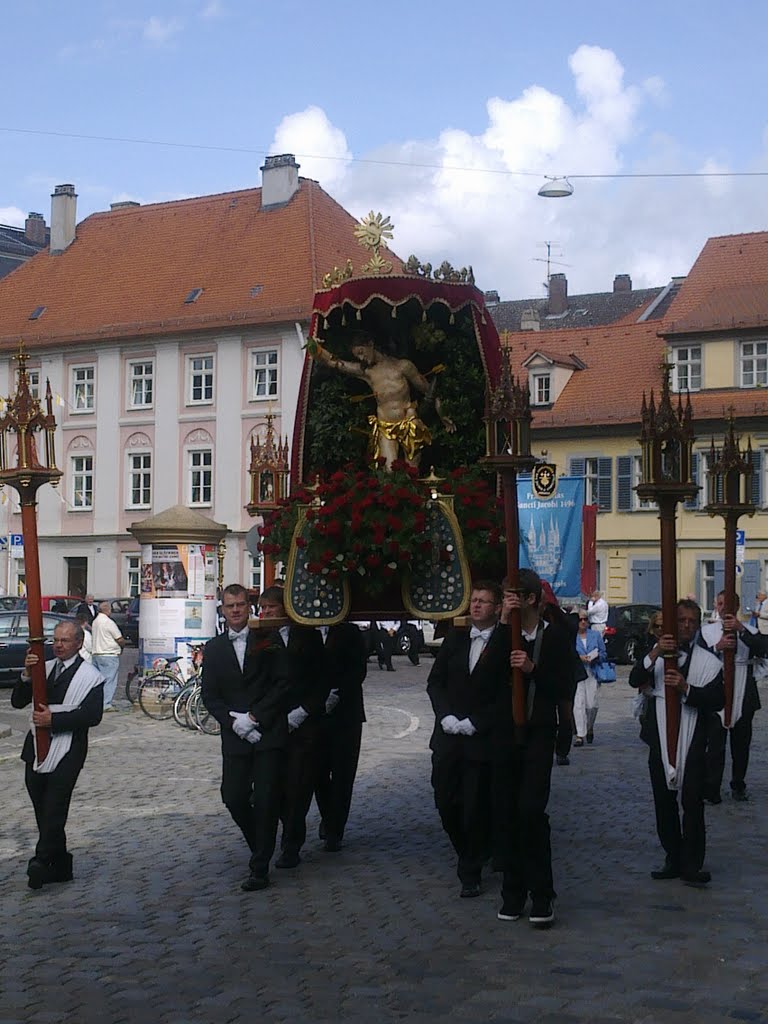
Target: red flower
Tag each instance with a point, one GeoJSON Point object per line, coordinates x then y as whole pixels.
{"type": "Point", "coordinates": [300, 542]}
{"type": "Point", "coordinates": [373, 561]}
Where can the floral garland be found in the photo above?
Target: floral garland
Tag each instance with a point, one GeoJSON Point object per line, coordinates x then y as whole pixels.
{"type": "Point", "coordinates": [373, 522]}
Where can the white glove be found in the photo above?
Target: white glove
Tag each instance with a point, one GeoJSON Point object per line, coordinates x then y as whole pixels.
{"type": "Point", "coordinates": [254, 735]}
{"type": "Point", "coordinates": [450, 725]}
{"type": "Point", "coordinates": [296, 718]}
{"type": "Point", "coordinates": [331, 701]}
{"type": "Point", "coordinates": [466, 728]}
{"type": "Point", "coordinates": [242, 724]}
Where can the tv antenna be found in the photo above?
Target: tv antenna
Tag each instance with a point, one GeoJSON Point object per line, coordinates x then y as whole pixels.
{"type": "Point", "coordinates": [549, 260]}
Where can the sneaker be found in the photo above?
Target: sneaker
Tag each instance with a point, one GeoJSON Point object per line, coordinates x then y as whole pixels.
{"type": "Point", "coordinates": [542, 912]}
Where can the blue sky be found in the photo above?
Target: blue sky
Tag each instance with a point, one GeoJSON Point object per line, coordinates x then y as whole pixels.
{"type": "Point", "coordinates": [553, 88]}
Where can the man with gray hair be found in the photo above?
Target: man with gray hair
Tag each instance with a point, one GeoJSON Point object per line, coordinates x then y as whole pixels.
{"type": "Point", "coordinates": [107, 643]}
{"type": "Point", "coordinates": [74, 703]}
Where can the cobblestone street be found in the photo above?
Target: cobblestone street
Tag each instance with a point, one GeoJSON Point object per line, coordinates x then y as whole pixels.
{"type": "Point", "coordinates": [155, 926]}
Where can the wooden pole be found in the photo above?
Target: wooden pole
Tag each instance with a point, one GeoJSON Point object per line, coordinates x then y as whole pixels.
{"type": "Point", "coordinates": [729, 606]}
{"type": "Point", "coordinates": [512, 531]}
{"type": "Point", "coordinates": [35, 617]}
{"type": "Point", "coordinates": [667, 510]}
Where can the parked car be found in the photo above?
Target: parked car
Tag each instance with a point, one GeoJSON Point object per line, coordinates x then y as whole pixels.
{"type": "Point", "coordinates": [627, 624]}
{"type": "Point", "coordinates": [61, 604]}
{"type": "Point", "coordinates": [14, 640]}
{"type": "Point", "coordinates": [130, 625]}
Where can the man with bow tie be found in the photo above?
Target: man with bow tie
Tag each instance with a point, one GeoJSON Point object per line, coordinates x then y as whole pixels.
{"type": "Point", "coordinates": [246, 687]}
{"type": "Point", "coordinates": [75, 700]}
{"type": "Point", "coordinates": [696, 676]}
{"type": "Point", "coordinates": [463, 688]}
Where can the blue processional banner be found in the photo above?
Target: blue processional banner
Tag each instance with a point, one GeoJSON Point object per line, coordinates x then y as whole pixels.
{"type": "Point", "coordinates": [550, 533]}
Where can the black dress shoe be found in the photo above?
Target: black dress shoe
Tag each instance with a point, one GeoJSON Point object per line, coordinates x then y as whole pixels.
{"type": "Point", "coordinates": [697, 879]}
{"type": "Point", "coordinates": [332, 844]}
{"type": "Point", "coordinates": [669, 870]}
{"type": "Point", "coordinates": [254, 882]}
{"type": "Point", "coordinates": [61, 870]}
{"type": "Point", "coordinates": [563, 759]}
{"type": "Point", "coordinates": [740, 794]}
{"type": "Point", "coordinates": [469, 890]}
{"type": "Point", "coordinates": [37, 873]}
{"type": "Point", "coordinates": [712, 796]}
{"type": "Point", "coordinates": [288, 859]}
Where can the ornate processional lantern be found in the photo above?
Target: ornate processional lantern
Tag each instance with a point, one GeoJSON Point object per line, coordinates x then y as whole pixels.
{"type": "Point", "coordinates": [269, 471]}
{"type": "Point", "coordinates": [508, 449]}
{"type": "Point", "coordinates": [667, 440]}
{"type": "Point", "coordinates": [23, 417]}
{"type": "Point", "coordinates": [729, 494]}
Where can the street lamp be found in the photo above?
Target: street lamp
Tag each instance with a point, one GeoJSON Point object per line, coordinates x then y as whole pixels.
{"type": "Point", "coordinates": [23, 417]}
{"type": "Point", "coordinates": [729, 494]}
{"type": "Point", "coordinates": [508, 449]}
{"type": "Point", "coordinates": [667, 441]}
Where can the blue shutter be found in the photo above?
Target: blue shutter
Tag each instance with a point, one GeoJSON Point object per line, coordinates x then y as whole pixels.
{"type": "Point", "coordinates": [750, 584]}
{"type": "Point", "coordinates": [719, 575]}
{"type": "Point", "coordinates": [576, 467]}
{"type": "Point", "coordinates": [693, 503]}
{"type": "Point", "coordinates": [624, 483]}
{"type": "Point", "coordinates": [757, 489]}
{"type": "Point", "coordinates": [604, 484]}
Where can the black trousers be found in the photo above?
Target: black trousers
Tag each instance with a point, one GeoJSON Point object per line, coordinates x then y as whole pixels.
{"type": "Point", "coordinates": [297, 785]}
{"type": "Point", "coordinates": [565, 729]}
{"type": "Point", "coordinates": [463, 801]}
{"type": "Point", "coordinates": [51, 795]}
{"type": "Point", "coordinates": [684, 842]}
{"type": "Point", "coordinates": [522, 847]}
{"type": "Point", "coordinates": [337, 755]}
{"type": "Point", "coordinates": [250, 789]}
{"type": "Point", "coordinates": [717, 737]}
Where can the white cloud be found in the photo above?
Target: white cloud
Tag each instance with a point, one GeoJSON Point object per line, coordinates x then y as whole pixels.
{"type": "Point", "coordinates": [466, 205]}
{"type": "Point", "coordinates": [159, 31]}
{"type": "Point", "coordinates": [12, 216]}
{"type": "Point", "coordinates": [213, 9]}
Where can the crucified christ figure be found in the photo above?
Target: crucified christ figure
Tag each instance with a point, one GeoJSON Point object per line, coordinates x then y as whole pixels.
{"type": "Point", "coordinates": [395, 426]}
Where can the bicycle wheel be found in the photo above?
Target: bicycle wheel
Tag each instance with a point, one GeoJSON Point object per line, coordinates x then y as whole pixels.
{"type": "Point", "coordinates": [203, 718]}
{"type": "Point", "coordinates": [157, 694]}
{"type": "Point", "coordinates": [180, 707]}
{"type": "Point", "coordinates": [132, 684]}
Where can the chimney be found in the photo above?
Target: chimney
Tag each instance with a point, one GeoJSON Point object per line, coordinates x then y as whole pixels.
{"type": "Point", "coordinates": [558, 295]}
{"type": "Point", "coordinates": [529, 320]}
{"type": "Point", "coordinates": [279, 180]}
{"type": "Point", "coordinates": [34, 229]}
{"type": "Point", "coordinates": [622, 283]}
{"type": "Point", "coordinates": [63, 213]}
{"type": "Point", "coordinates": [124, 204]}
{"type": "Point", "coordinates": [491, 298]}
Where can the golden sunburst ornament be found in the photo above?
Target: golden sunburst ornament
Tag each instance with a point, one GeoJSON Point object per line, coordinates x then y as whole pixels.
{"type": "Point", "coordinates": [372, 229]}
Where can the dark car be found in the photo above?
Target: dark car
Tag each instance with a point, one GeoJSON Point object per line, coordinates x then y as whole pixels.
{"type": "Point", "coordinates": [627, 627]}
{"type": "Point", "coordinates": [14, 640]}
{"type": "Point", "coordinates": [130, 625]}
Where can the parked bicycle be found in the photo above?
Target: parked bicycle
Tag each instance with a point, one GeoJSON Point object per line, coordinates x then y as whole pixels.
{"type": "Point", "coordinates": [163, 691]}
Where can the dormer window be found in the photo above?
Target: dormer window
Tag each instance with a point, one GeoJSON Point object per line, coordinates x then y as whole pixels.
{"type": "Point", "coordinates": [541, 388]}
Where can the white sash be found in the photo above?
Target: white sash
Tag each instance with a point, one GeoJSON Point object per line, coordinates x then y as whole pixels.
{"type": "Point", "coordinates": [712, 633]}
{"type": "Point", "coordinates": [703, 668]}
{"type": "Point", "coordinates": [79, 687]}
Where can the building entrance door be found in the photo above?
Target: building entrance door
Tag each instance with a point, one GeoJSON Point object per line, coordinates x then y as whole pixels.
{"type": "Point", "coordinates": [77, 576]}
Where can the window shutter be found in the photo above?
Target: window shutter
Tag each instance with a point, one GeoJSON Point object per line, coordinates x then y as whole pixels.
{"type": "Point", "coordinates": [604, 480]}
{"type": "Point", "coordinates": [750, 584]}
{"type": "Point", "coordinates": [719, 575]}
{"type": "Point", "coordinates": [624, 483]}
{"type": "Point", "coordinates": [693, 502]}
{"type": "Point", "coordinates": [757, 489]}
{"type": "Point", "coordinates": [576, 467]}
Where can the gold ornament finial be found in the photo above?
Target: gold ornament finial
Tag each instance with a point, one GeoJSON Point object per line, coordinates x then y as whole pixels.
{"type": "Point", "coordinates": [370, 233]}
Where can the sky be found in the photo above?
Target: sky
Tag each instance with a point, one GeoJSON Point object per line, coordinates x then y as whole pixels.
{"type": "Point", "coordinates": [445, 117]}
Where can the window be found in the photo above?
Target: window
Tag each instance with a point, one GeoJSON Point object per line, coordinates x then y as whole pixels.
{"type": "Point", "coordinates": [254, 573]}
{"type": "Point", "coordinates": [265, 373]}
{"type": "Point", "coordinates": [628, 475]}
{"type": "Point", "coordinates": [83, 394]}
{"type": "Point", "coordinates": [686, 368]}
{"type": "Point", "coordinates": [140, 384]}
{"type": "Point", "coordinates": [33, 376]}
{"type": "Point", "coordinates": [133, 575]}
{"type": "Point", "coordinates": [707, 584]}
{"type": "Point", "coordinates": [139, 480]}
{"type": "Point", "coordinates": [200, 476]}
{"type": "Point", "coordinates": [82, 481]}
{"type": "Point", "coordinates": [754, 364]}
{"type": "Point", "coordinates": [598, 475]}
{"type": "Point", "coordinates": [541, 389]}
{"type": "Point", "coordinates": [200, 376]}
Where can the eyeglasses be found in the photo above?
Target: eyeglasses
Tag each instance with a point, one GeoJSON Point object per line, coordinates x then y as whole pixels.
{"type": "Point", "coordinates": [583, 620]}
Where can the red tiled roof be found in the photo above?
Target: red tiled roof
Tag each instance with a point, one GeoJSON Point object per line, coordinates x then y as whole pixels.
{"type": "Point", "coordinates": [129, 270]}
{"type": "Point", "coordinates": [726, 288]}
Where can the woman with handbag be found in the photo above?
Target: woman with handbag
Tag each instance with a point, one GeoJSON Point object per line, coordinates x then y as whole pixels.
{"type": "Point", "coordinates": [591, 650]}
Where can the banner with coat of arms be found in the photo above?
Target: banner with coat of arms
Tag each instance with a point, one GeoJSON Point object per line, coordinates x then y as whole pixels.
{"type": "Point", "coordinates": [550, 530]}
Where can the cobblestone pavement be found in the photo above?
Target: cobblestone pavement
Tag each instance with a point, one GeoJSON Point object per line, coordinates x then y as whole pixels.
{"type": "Point", "coordinates": [155, 927]}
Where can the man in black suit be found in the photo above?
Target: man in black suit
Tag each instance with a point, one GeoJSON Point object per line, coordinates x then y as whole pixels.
{"type": "Point", "coordinates": [88, 607]}
{"type": "Point", "coordinates": [523, 756]}
{"type": "Point", "coordinates": [75, 700]}
{"type": "Point", "coordinates": [695, 674]}
{"type": "Point", "coordinates": [340, 729]}
{"type": "Point", "coordinates": [309, 686]}
{"type": "Point", "coordinates": [247, 689]}
{"type": "Point", "coordinates": [463, 686]}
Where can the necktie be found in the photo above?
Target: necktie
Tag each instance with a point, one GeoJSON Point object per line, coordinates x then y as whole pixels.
{"type": "Point", "coordinates": [58, 668]}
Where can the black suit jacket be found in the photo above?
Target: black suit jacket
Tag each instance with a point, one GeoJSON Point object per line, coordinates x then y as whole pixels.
{"type": "Point", "coordinates": [453, 690]}
{"type": "Point", "coordinates": [262, 687]}
{"type": "Point", "coordinates": [346, 666]}
{"type": "Point", "coordinates": [757, 644]}
{"type": "Point", "coordinates": [709, 698]}
{"type": "Point", "coordinates": [306, 666]}
{"type": "Point", "coordinates": [86, 609]}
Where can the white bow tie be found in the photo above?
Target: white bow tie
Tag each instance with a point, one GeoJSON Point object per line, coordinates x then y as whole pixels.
{"type": "Point", "coordinates": [480, 634]}
{"type": "Point", "coordinates": [235, 634]}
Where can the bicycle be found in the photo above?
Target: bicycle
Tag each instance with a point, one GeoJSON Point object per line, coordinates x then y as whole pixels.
{"type": "Point", "coordinates": [159, 688]}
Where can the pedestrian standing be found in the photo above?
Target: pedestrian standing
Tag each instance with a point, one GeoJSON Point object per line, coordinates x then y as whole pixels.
{"type": "Point", "coordinates": [107, 645]}
{"type": "Point", "coordinates": [74, 703]}
{"type": "Point", "coordinates": [597, 611]}
{"type": "Point", "coordinates": [591, 651]}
